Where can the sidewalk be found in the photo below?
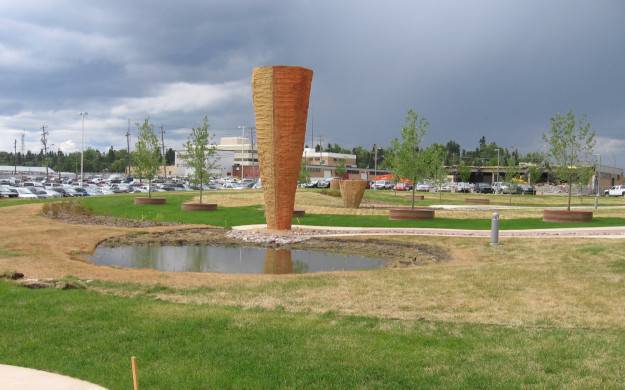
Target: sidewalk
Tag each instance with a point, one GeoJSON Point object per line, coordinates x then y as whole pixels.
{"type": "Point", "coordinates": [335, 231]}
{"type": "Point", "coordinates": [14, 378]}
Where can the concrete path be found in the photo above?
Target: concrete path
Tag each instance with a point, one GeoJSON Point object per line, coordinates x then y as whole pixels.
{"type": "Point", "coordinates": [335, 231]}
{"type": "Point", "coordinates": [14, 378]}
{"type": "Point", "coordinates": [487, 207]}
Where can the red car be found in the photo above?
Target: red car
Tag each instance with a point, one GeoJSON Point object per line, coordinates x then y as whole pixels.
{"type": "Point", "coordinates": [402, 186]}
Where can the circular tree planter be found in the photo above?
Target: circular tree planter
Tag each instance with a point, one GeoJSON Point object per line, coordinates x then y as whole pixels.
{"type": "Point", "coordinates": [352, 192]}
{"type": "Point", "coordinates": [299, 212]}
{"type": "Point", "coordinates": [199, 206]}
{"type": "Point", "coordinates": [477, 201]}
{"type": "Point", "coordinates": [567, 216]}
{"type": "Point", "coordinates": [153, 201]}
{"type": "Point", "coordinates": [408, 213]}
{"type": "Point", "coordinates": [335, 184]}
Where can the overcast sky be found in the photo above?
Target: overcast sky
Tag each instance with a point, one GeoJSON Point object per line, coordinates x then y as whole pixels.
{"type": "Point", "coordinates": [493, 68]}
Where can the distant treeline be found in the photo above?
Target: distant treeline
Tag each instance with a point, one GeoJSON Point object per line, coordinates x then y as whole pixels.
{"type": "Point", "coordinates": [484, 154]}
{"type": "Point", "coordinates": [94, 160]}
{"type": "Point", "coordinates": [115, 160]}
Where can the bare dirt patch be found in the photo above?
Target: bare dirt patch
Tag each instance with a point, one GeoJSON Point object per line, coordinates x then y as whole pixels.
{"type": "Point", "coordinates": [525, 282]}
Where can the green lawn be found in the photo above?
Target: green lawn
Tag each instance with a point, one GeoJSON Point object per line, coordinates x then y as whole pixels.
{"type": "Point", "coordinates": [122, 206]}
{"type": "Point", "coordinates": [4, 202]}
{"type": "Point", "coordinates": [92, 336]}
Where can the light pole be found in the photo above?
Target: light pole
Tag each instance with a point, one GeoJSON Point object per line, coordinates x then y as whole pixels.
{"type": "Point", "coordinates": [597, 180]}
{"type": "Point", "coordinates": [242, 127]}
{"type": "Point", "coordinates": [498, 162]}
{"type": "Point", "coordinates": [82, 148]}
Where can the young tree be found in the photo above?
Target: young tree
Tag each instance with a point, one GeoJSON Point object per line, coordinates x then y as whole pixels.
{"type": "Point", "coordinates": [464, 172]}
{"type": "Point", "coordinates": [533, 174]}
{"type": "Point", "coordinates": [406, 157]}
{"type": "Point", "coordinates": [200, 155]}
{"type": "Point", "coordinates": [304, 176]}
{"type": "Point", "coordinates": [340, 169]}
{"type": "Point", "coordinates": [147, 156]}
{"type": "Point", "coordinates": [435, 158]}
{"type": "Point", "coordinates": [511, 170]}
{"type": "Point", "coordinates": [571, 143]}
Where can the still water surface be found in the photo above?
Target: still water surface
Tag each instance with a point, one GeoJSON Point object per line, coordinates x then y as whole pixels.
{"type": "Point", "coordinates": [230, 260]}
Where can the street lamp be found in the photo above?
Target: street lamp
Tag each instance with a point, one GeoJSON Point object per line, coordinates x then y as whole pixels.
{"type": "Point", "coordinates": [498, 149]}
{"type": "Point", "coordinates": [242, 127]}
{"type": "Point", "coordinates": [597, 180]}
{"type": "Point", "coordinates": [82, 148]}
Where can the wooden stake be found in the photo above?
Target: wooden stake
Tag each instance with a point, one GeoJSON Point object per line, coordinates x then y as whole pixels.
{"type": "Point", "coordinates": [135, 378]}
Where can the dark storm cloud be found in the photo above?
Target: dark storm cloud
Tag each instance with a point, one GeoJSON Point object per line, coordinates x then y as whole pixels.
{"type": "Point", "coordinates": [492, 68]}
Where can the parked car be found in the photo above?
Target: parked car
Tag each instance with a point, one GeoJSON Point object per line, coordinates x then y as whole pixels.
{"type": "Point", "coordinates": [527, 189]}
{"type": "Point", "coordinates": [483, 188]}
{"type": "Point", "coordinates": [617, 190]}
{"type": "Point", "coordinates": [401, 186]}
{"type": "Point", "coordinates": [39, 192]}
{"type": "Point", "coordinates": [382, 185]}
{"type": "Point", "coordinates": [5, 192]}
{"type": "Point", "coordinates": [23, 192]}
{"type": "Point", "coordinates": [463, 187]}
{"type": "Point", "coordinates": [325, 183]}
{"type": "Point", "coordinates": [423, 187]}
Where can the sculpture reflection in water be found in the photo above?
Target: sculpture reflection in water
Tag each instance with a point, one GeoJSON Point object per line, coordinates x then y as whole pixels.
{"type": "Point", "coordinates": [280, 261]}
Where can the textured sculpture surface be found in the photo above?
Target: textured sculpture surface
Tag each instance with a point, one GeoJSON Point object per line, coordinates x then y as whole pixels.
{"type": "Point", "coordinates": [280, 95]}
{"type": "Point", "coordinates": [352, 192]}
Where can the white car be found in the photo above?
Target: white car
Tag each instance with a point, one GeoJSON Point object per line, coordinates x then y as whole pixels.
{"type": "Point", "coordinates": [382, 185]}
{"type": "Point", "coordinates": [616, 191]}
{"type": "Point", "coordinates": [423, 187]}
{"type": "Point", "coordinates": [25, 193]}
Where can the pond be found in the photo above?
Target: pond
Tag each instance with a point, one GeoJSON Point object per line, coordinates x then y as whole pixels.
{"type": "Point", "coordinates": [230, 260]}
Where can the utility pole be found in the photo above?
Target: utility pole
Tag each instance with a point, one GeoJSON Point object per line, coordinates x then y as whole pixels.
{"type": "Point", "coordinates": [242, 127]}
{"type": "Point", "coordinates": [597, 180]}
{"type": "Point", "coordinates": [252, 130]}
{"type": "Point", "coordinates": [15, 157]}
{"type": "Point", "coordinates": [163, 152]}
{"type": "Point", "coordinates": [44, 142]}
{"type": "Point", "coordinates": [375, 162]}
{"type": "Point", "coordinates": [128, 146]}
{"type": "Point", "coordinates": [82, 148]}
{"type": "Point", "coordinates": [23, 135]}
{"type": "Point", "coordinates": [498, 162]}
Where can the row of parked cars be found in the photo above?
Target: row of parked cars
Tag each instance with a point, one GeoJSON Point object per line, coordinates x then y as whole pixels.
{"type": "Point", "coordinates": [481, 188]}
{"type": "Point", "coordinates": [93, 186]}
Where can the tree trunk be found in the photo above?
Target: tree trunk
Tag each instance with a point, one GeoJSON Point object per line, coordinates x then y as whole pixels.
{"type": "Point", "coordinates": [413, 191]}
{"type": "Point", "coordinates": [201, 188]}
{"type": "Point", "coordinates": [570, 193]}
{"type": "Point", "coordinates": [150, 188]}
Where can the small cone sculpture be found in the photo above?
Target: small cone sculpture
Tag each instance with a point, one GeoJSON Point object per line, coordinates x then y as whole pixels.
{"type": "Point", "coordinates": [280, 95]}
{"type": "Point", "coordinates": [352, 192]}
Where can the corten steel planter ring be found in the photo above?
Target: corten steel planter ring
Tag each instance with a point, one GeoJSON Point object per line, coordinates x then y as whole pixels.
{"type": "Point", "coordinates": [335, 184]}
{"type": "Point", "coordinates": [477, 201]}
{"type": "Point", "coordinates": [567, 216]}
{"type": "Point", "coordinates": [280, 95]}
{"type": "Point", "coordinates": [150, 201]}
{"type": "Point", "coordinates": [199, 206]}
{"type": "Point", "coordinates": [352, 192]}
{"type": "Point", "coordinates": [398, 214]}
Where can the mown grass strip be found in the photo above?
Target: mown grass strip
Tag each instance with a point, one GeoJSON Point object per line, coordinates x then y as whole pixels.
{"type": "Point", "coordinates": [92, 336]}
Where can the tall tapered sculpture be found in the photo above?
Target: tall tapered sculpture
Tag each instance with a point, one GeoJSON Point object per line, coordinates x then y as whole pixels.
{"type": "Point", "coordinates": [280, 95]}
